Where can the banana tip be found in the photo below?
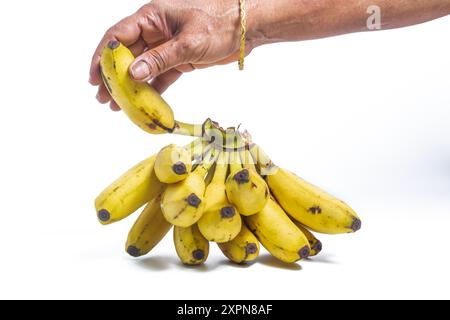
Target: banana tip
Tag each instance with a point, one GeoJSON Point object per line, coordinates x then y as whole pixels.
{"type": "Point", "coordinates": [134, 251]}
{"type": "Point", "coordinates": [113, 44]}
{"type": "Point", "coordinates": [304, 252]}
{"type": "Point", "coordinates": [242, 176]}
{"type": "Point", "coordinates": [251, 248]}
{"type": "Point", "coordinates": [198, 254]}
{"type": "Point", "coordinates": [227, 212]}
{"type": "Point", "coordinates": [194, 201]}
{"type": "Point", "coordinates": [179, 168]}
{"type": "Point", "coordinates": [356, 224]}
{"type": "Point", "coordinates": [104, 215]}
{"type": "Point", "coordinates": [317, 247]}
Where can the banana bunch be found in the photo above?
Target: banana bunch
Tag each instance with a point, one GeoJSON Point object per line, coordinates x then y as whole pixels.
{"type": "Point", "coordinates": [221, 188]}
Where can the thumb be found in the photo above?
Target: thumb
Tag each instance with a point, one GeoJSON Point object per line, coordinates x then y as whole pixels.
{"type": "Point", "coordinates": [159, 60]}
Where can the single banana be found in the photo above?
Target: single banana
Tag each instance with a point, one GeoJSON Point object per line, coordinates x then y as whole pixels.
{"type": "Point", "coordinates": [173, 164]}
{"type": "Point", "coordinates": [148, 230]}
{"type": "Point", "coordinates": [142, 104]}
{"type": "Point", "coordinates": [314, 243]}
{"type": "Point", "coordinates": [245, 188]}
{"type": "Point", "coordinates": [136, 187]}
{"type": "Point", "coordinates": [242, 249]}
{"type": "Point", "coordinates": [127, 194]}
{"type": "Point", "coordinates": [192, 248]}
{"type": "Point", "coordinates": [306, 203]}
{"type": "Point", "coordinates": [221, 222]}
{"type": "Point", "coordinates": [278, 234]}
{"type": "Point", "coordinates": [183, 202]}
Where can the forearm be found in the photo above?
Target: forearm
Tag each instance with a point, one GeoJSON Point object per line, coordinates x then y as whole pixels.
{"type": "Point", "coordinates": [292, 20]}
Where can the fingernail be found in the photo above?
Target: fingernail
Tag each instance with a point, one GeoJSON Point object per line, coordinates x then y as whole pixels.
{"type": "Point", "coordinates": [140, 70]}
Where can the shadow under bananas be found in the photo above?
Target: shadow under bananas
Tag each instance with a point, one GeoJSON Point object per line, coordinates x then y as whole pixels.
{"type": "Point", "coordinates": [272, 262]}
{"type": "Point", "coordinates": [163, 263]}
{"type": "Point", "coordinates": [322, 258]}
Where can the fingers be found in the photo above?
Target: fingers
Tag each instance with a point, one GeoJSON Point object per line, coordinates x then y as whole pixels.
{"type": "Point", "coordinates": [165, 80]}
{"type": "Point", "coordinates": [159, 60]}
{"type": "Point", "coordinates": [114, 106]}
{"type": "Point", "coordinates": [103, 95]}
{"type": "Point", "coordinates": [127, 31]}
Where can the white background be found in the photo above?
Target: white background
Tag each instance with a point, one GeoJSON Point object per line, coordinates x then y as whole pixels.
{"type": "Point", "coordinates": [365, 116]}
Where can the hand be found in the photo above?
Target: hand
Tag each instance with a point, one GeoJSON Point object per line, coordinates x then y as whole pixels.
{"type": "Point", "coordinates": [170, 38]}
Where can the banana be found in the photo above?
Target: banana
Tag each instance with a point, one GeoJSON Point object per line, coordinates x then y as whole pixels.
{"type": "Point", "coordinates": [242, 249]}
{"type": "Point", "coordinates": [148, 230]}
{"type": "Point", "coordinates": [306, 203]}
{"type": "Point", "coordinates": [278, 234]}
{"type": "Point", "coordinates": [245, 188]}
{"type": "Point", "coordinates": [192, 248]}
{"type": "Point", "coordinates": [173, 164]}
{"type": "Point", "coordinates": [183, 202]}
{"type": "Point", "coordinates": [221, 222]}
{"type": "Point", "coordinates": [127, 194]}
{"type": "Point", "coordinates": [314, 243]}
{"type": "Point", "coordinates": [141, 103]}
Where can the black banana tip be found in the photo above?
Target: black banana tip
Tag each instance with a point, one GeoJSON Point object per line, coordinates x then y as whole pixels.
{"type": "Point", "coordinates": [317, 247]}
{"type": "Point", "coordinates": [134, 251]}
{"type": "Point", "coordinates": [304, 252]}
{"type": "Point", "coordinates": [251, 248]}
{"type": "Point", "coordinates": [113, 44]}
{"type": "Point", "coordinates": [198, 254]}
{"type": "Point", "coordinates": [104, 215]}
{"type": "Point", "coordinates": [228, 212]}
{"type": "Point", "coordinates": [194, 201]}
{"type": "Point", "coordinates": [179, 168]}
{"type": "Point", "coordinates": [242, 176]}
{"type": "Point", "coordinates": [356, 225]}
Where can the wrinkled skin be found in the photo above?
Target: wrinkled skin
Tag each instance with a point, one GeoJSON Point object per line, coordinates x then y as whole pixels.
{"type": "Point", "coordinates": [172, 37]}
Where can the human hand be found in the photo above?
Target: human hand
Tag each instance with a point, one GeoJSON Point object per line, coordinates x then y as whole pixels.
{"type": "Point", "coordinates": [170, 38]}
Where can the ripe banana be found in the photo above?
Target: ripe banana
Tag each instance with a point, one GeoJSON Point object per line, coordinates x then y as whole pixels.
{"type": "Point", "coordinates": [173, 164]}
{"type": "Point", "coordinates": [305, 202]}
{"type": "Point", "coordinates": [127, 194]}
{"type": "Point", "coordinates": [278, 234]}
{"type": "Point", "coordinates": [314, 243]}
{"type": "Point", "coordinates": [142, 104]}
{"type": "Point", "coordinates": [242, 249]}
{"type": "Point", "coordinates": [183, 202]}
{"type": "Point", "coordinates": [221, 222]}
{"type": "Point", "coordinates": [148, 230]}
{"type": "Point", "coordinates": [245, 188]}
{"type": "Point", "coordinates": [192, 248]}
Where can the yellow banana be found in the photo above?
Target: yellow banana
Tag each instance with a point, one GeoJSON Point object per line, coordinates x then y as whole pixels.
{"type": "Point", "coordinates": [278, 234]}
{"type": "Point", "coordinates": [148, 230]}
{"type": "Point", "coordinates": [242, 249]}
{"type": "Point", "coordinates": [173, 164]}
{"type": "Point", "coordinates": [142, 104]}
{"type": "Point", "coordinates": [127, 194]}
{"type": "Point", "coordinates": [192, 248]}
{"type": "Point", "coordinates": [183, 202]}
{"type": "Point", "coordinates": [314, 243]}
{"type": "Point", "coordinates": [245, 188]}
{"type": "Point", "coordinates": [221, 222]}
{"type": "Point", "coordinates": [306, 203]}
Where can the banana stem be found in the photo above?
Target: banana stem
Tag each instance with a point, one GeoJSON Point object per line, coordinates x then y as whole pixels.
{"type": "Point", "coordinates": [221, 168]}
{"type": "Point", "coordinates": [186, 129]}
{"type": "Point", "coordinates": [208, 161]}
{"type": "Point", "coordinates": [235, 159]}
{"type": "Point", "coordinates": [266, 165]}
{"type": "Point", "coordinates": [247, 160]}
{"type": "Point", "coordinates": [198, 148]}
